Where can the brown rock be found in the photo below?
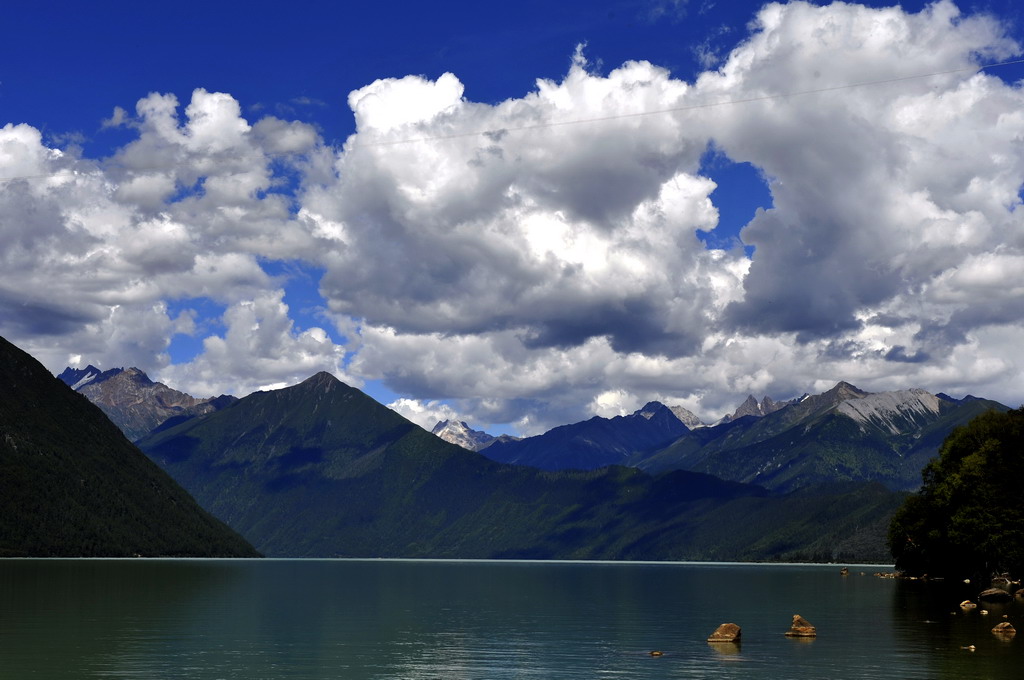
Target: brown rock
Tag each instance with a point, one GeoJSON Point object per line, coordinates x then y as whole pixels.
{"type": "Point", "coordinates": [1004, 630]}
{"type": "Point", "coordinates": [801, 627]}
{"type": "Point", "coordinates": [995, 595]}
{"type": "Point", "coordinates": [727, 632]}
{"type": "Point", "coordinates": [967, 604]}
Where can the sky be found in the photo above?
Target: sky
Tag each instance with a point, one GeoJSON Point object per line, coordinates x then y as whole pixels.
{"type": "Point", "coordinates": [521, 214]}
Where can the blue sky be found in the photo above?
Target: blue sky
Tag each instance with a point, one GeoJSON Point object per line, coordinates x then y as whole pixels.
{"type": "Point", "coordinates": [233, 196]}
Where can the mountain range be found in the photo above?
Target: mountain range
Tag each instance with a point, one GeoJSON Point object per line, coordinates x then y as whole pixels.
{"type": "Point", "coordinates": [72, 485]}
{"type": "Point", "coordinates": [321, 469]}
{"type": "Point", "coordinates": [593, 443]}
{"type": "Point", "coordinates": [844, 434]}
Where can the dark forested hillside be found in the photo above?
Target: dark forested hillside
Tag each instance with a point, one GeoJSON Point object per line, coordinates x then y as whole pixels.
{"type": "Point", "coordinates": [72, 485]}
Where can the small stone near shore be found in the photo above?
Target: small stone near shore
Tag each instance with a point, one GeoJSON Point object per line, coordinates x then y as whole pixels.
{"type": "Point", "coordinates": [995, 595]}
{"type": "Point", "coordinates": [727, 632]}
{"type": "Point", "coordinates": [845, 571]}
{"type": "Point", "coordinates": [1004, 630]}
{"type": "Point", "coordinates": [967, 604]}
{"type": "Point", "coordinates": [802, 628]}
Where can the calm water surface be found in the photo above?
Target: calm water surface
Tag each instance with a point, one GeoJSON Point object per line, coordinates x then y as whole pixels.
{"type": "Point", "coordinates": [378, 619]}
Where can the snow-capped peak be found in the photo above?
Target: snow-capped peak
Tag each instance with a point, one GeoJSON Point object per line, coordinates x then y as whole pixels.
{"type": "Point", "coordinates": [459, 433]}
{"type": "Point", "coordinates": [85, 380]}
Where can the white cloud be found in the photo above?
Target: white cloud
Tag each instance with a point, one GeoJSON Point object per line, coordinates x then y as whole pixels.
{"type": "Point", "coordinates": [845, 164]}
{"type": "Point", "coordinates": [549, 268]}
{"type": "Point", "coordinates": [543, 231]}
{"type": "Point", "coordinates": [425, 413]}
{"type": "Point", "coordinates": [399, 103]}
{"type": "Point", "coordinates": [92, 251]}
{"type": "Point", "coordinates": [261, 349]}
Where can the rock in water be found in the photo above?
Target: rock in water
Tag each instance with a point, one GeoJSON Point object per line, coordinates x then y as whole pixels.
{"type": "Point", "coordinates": [727, 632]}
{"type": "Point", "coordinates": [995, 595]}
{"type": "Point", "coordinates": [1004, 630]}
{"type": "Point", "coordinates": [801, 627]}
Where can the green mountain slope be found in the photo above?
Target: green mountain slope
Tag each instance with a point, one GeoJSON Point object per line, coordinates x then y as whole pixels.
{"type": "Point", "coordinates": [72, 485]}
{"type": "Point", "coordinates": [320, 469]}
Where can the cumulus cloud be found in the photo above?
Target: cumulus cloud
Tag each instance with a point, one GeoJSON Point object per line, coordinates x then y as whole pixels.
{"type": "Point", "coordinates": [559, 233]}
{"type": "Point", "coordinates": [537, 260]}
{"type": "Point", "coordinates": [94, 250]}
{"type": "Point", "coordinates": [260, 349]}
{"type": "Point", "coordinates": [425, 413]}
{"type": "Point", "coordinates": [543, 241]}
{"type": "Point", "coordinates": [871, 185]}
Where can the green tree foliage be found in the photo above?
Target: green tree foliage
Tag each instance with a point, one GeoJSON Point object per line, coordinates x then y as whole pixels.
{"type": "Point", "coordinates": [968, 518]}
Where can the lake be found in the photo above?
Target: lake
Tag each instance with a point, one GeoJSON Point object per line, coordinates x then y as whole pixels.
{"type": "Point", "coordinates": [426, 620]}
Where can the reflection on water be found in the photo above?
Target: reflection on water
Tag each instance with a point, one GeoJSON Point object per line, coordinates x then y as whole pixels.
{"type": "Point", "coordinates": [378, 619]}
{"type": "Point", "coordinates": [928, 616]}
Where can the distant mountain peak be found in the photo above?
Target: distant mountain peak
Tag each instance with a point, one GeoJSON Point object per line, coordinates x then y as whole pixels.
{"type": "Point", "coordinates": [322, 379]}
{"type": "Point", "coordinates": [686, 417]}
{"type": "Point", "coordinates": [136, 374]}
{"type": "Point", "coordinates": [845, 390]}
{"type": "Point", "coordinates": [751, 407]}
{"type": "Point", "coordinates": [75, 378]}
{"type": "Point", "coordinates": [134, 402]}
{"type": "Point", "coordinates": [459, 433]}
{"type": "Point", "coordinates": [650, 409]}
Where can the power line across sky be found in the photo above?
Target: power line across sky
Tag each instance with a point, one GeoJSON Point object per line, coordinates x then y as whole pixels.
{"type": "Point", "coordinates": [638, 114]}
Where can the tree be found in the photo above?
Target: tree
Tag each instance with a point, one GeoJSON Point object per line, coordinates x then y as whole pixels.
{"type": "Point", "coordinates": [968, 518]}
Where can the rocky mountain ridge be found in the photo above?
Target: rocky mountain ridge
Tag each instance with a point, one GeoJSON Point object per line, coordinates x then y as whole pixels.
{"type": "Point", "coordinates": [844, 433]}
{"type": "Point", "coordinates": [686, 417]}
{"type": "Point", "coordinates": [751, 407]}
{"type": "Point", "coordinates": [459, 433]}
{"type": "Point", "coordinates": [135, 403]}
{"type": "Point", "coordinates": [892, 410]}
